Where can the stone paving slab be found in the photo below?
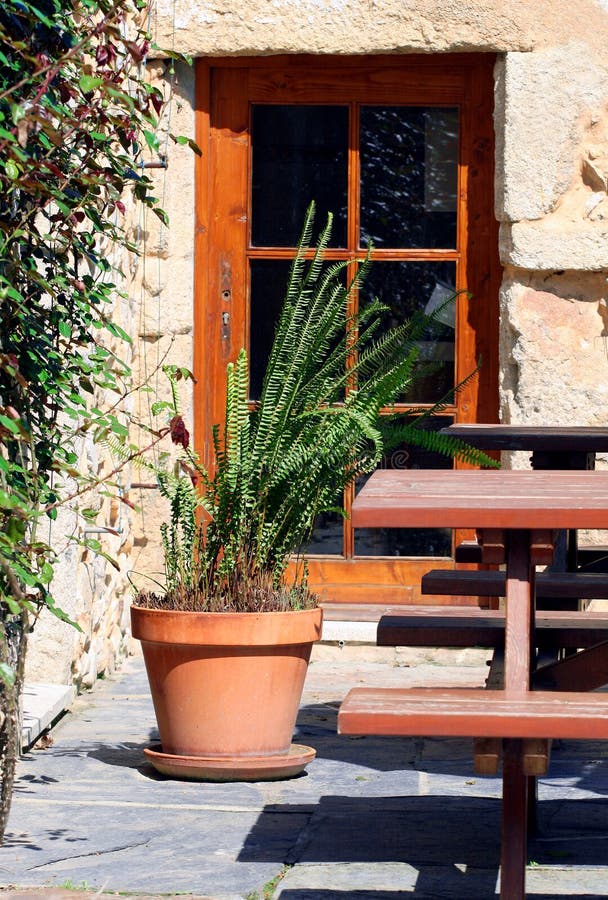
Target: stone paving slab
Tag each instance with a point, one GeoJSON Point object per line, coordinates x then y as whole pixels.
{"type": "Point", "coordinates": [76, 894]}
{"type": "Point", "coordinates": [372, 818]}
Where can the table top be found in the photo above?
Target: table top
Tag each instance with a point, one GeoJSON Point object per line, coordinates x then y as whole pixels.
{"type": "Point", "coordinates": [487, 498]}
{"type": "Point", "coordinates": [557, 438]}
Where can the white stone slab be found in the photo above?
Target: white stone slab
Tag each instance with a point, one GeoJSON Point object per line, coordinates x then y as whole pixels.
{"type": "Point", "coordinates": [42, 704]}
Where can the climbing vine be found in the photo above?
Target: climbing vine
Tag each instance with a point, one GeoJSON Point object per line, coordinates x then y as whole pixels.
{"type": "Point", "coordinates": [75, 114]}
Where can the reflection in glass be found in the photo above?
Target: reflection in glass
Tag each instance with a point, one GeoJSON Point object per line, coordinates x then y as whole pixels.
{"type": "Point", "coordinates": [410, 287]}
{"type": "Point", "coordinates": [268, 285]}
{"type": "Point", "coordinates": [409, 176]}
{"type": "Point", "coordinates": [300, 153]}
{"type": "Point", "coordinates": [328, 536]}
{"type": "Point", "coordinates": [407, 541]}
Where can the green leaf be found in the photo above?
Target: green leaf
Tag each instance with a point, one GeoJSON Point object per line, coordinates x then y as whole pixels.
{"type": "Point", "coordinates": [88, 83]}
{"type": "Point", "coordinates": [12, 170]}
{"type": "Point", "coordinates": [162, 215]}
{"type": "Point", "coordinates": [15, 530]}
{"type": "Point", "coordinates": [159, 406]}
{"type": "Point", "coordinates": [173, 54]}
{"type": "Point", "coordinates": [7, 674]}
{"type": "Point", "coordinates": [46, 573]}
{"type": "Point", "coordinates": [119, 429]}
{"type": "Point", "coordinates": [183, 139]}
{"type": "Point", "coordinates": [151, 140]}
{"type": "Point", "coordinates": [17, 113]}
{"type": "Point", "coordinates": [13, 607]}
{"type": "Point", "coordinates": [10, 424]}
{"type": "Point", "coordinates": [39, 15]}
{"type": "Point", "coordinates": [117, 331]}
{"type": "Point", "coordinates": [60, 614]}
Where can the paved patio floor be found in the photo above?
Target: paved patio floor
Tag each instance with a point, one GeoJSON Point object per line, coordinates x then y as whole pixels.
{"type": "Point", "coordinates": [372, 818]}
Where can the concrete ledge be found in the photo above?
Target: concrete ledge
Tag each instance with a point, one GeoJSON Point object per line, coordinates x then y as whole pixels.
{"type": "Point", "coordinates": [344, 632]}
{"type": "Point", "coordinates": [42, 704]}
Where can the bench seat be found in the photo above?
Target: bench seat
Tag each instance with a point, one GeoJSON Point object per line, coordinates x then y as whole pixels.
{"type": "Point", "coordinates": [558, 585]}
{"type": "Point", "coordinates": [445, 626]}
{"type": "Point", "coordinates": [470, 712]}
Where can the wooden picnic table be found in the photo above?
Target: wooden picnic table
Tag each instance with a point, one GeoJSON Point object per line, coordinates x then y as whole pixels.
{"type": "Point", "coordinates": [526, 505]}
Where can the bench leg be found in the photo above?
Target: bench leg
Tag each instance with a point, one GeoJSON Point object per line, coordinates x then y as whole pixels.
{"type": "Point", "coordinates": [532, 806]}
{"type": "Point", "coordinates": [514, 822]}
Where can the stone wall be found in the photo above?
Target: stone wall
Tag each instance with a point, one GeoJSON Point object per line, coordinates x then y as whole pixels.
{"type": "Point", "coordinates": [551, 200]}
{"type": "Point", "coordinates": [93, 593]}
{"type": "Point", "coordinates": [163, 280]}
{"type": "Point", "coordinates": [158, 313]}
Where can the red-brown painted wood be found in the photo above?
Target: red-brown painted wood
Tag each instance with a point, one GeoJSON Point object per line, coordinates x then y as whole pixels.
{"type": "Point", "coordinates": [584, 671]}
{"type": "Point", "coordinates": [548, 584]}
{"type": "Point", "coordinates": [443, 627]}
{"type": "Point", "coordinates": [553, 438]}
{"type": "Point", "coordinates": [514, 819]}
{"type": "Point", "coordinates": [483, 499]}
{"type": "Point", "coordinates": [470, 712]}
{"type": "Point", "coordinates": [521, 502]}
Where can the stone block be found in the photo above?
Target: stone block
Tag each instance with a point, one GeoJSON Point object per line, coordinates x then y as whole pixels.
{"type": "Point", "coordinates": [230, 27]}
{"type": "Point", "coordinates": [531, 245]}
{"type": "Point", "coordinates": [542, 100]}
{"type": "Point", "coordinates": [553, 350]}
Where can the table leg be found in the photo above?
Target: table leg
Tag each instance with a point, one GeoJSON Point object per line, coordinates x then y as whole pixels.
{"type": "Point", "coordinates": [519, 623]}
{"type": "Point", "coordinates": [519, 628]}
{"type": "Point", "coordinates": [514, 821]}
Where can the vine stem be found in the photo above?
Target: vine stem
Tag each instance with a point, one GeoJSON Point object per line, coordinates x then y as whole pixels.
{"type": "Point", "coordinates": [105, 479]}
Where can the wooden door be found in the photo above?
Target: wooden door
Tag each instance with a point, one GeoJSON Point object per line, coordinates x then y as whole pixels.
{"type": "Point", "coordinates": [401, 151]}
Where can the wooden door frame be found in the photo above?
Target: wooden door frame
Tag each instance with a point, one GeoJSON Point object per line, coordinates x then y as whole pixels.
{"type": "Point", "coordinates": [478, 233]}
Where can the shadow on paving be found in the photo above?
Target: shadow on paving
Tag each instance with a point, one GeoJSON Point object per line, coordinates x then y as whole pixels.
{"type": "Point", "coordinates": [450, 845]}
{"type": "Point", "coordinates": [122, 754]}
{"type": "Point", "coordinates": [430, 831]}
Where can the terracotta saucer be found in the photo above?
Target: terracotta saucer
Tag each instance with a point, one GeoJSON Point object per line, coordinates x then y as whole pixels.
{"type": "Point", "coordinates": [231, 768]}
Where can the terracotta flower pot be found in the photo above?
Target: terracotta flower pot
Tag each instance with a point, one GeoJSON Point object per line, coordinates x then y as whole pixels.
{"type": "Point", "coordinates": [226, 689]}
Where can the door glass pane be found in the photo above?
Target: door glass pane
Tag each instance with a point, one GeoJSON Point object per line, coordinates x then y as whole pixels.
{"type": "Point", "coordinates": [409, 176]}
{"type": "Point", "coordinates": [407, 541]}
{"type": "Point", "coordinates": [300, 153]}
{"type": "Point", "coordinates": [268, 285]}
{"type": "Point", "coordinates": [408, 287]}
{"type": "Point", "coordinates": [328, 536]}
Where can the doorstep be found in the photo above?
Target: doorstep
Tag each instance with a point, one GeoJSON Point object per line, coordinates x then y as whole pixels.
{"type": "Point", "coordinates": [42, 704]}
{"type": "Point", "coordinates": [355, 642]}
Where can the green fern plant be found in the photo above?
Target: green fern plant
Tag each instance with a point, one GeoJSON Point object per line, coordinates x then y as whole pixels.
{"type": "Point", "coordinates": [316, 428]}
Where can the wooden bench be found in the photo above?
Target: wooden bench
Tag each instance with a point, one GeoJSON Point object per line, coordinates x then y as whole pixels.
{"type": "Point", "coordinates": [471, 712]}
{"type": "Point", "coordinates": [453, 626]}
{"type": "Point", "coordinates": [558, 585]}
